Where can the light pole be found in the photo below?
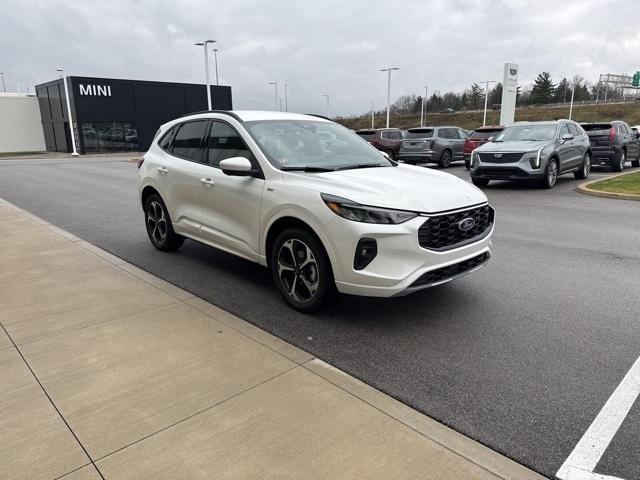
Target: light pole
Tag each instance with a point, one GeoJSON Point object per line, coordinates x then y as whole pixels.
{"type": "Point", "coordinates": [389, 70]}
{"type": "Point", "coordinates": [206, 68]}
{"type": "Point", "coordinates": [215, 60]}
{"type": "Point", "coordinates": [486, 98]}
{"type": "Point", "coordinates": [372, 118]}
{"type": "Point", "coordinates": [286, 100]}
{"type": "Point", "coordinates": [327, 96]}
{"type": "Point", "coordinates": [275, 99]}
{"type": "Point", "coordinates": [573, 90]}
{"type": "Point", "coordinates": [3, 86]}
{"type": "Point", "coordinates": [71, 129]}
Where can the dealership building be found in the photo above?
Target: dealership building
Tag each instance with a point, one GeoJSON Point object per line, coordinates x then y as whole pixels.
{"type": "Point", "coordinates": [116, 115]}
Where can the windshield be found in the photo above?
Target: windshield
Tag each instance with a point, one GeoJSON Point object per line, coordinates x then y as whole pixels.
{"type": "Point", "coordinates": [419, 134]}
{"type": "Point", "coordinates": [300, 144]}
{"type": "Point", "coordinates": [530, 133]}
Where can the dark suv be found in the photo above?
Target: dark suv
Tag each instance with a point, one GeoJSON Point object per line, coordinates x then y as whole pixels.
{"type": "Point", "coordinates": [441, 145]}
{"type": "Point", "coordinates": [613, 144]}
{"type": "Point", "coordinates": [387, 140]}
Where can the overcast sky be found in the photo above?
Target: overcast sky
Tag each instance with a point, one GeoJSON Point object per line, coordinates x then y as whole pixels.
{"type": "Point", "coordinates": [318, 47]}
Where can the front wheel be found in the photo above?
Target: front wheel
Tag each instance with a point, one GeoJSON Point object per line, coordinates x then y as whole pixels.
{"type": "Point", "coordinates": [550, 175]}
{"type": "Point", "coordinates": [445, 159]}
{"type": "Point", "coordinates": [159, 226]}
{"type": "Point", "coordinates": [585, 170]}
{"type": "Point", "coordinates": [619, 165]}
{"type": "Point", "coordinates": [301, 270]}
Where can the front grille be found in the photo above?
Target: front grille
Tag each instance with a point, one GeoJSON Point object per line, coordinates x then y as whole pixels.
{"type": "Point", "coordinates": [504, 157]}
{"type": "Point", "coordinates": [456, 269]}
{"type": "Point", "coordinates": [442, 232]}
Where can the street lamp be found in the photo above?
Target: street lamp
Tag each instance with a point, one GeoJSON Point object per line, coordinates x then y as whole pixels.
{"type": "Point", "coordinates": [573, 90]}
{"type": "Point", "coordinates": [71, 129]}
{"type": "Point", "coordinates": [422, 107]}
{"type": "Point", "coordinates": [486, 98]}
{"type": "Point", "coordinates": [286, 101]}
{"type": "Point", "coordinates": [215, 59]}
{"type": "Point", "coordinates": [372, 118]}
{"type": "Point", "coordinates": [3, 86]}
{"type": "Point", "coordinates": [389, 70]}
{"type": "Point", "coordinates": [327, 96]}
{"type": "Point", "coordinates": [275, 99]}
{"type": "Point", "coordinates": [206, 68]}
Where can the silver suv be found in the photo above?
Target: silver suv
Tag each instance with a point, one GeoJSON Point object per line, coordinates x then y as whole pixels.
{"type": "Point", "coordinates": [537, 151]}
{"type": "Point", "coordinates": [441, 145]}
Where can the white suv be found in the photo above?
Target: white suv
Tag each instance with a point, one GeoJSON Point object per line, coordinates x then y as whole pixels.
{"type": "Point", "coordinates": [312, 201]}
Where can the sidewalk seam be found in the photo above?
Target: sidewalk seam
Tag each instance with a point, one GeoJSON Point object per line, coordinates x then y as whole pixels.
{"type": "Point", "coordinates": [55, 407]}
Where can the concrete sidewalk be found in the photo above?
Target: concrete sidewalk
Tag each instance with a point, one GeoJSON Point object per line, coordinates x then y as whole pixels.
{"type": "Point", "coordinates": [109, 372]}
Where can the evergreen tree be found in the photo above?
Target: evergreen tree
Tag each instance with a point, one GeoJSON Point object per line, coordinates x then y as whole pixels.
{"type": "Point", "coordinates": [476, 95]}
{"type": "Point", "coordinates": [495, 94]}
{"type": "Point", "coordinates": [543, 89]}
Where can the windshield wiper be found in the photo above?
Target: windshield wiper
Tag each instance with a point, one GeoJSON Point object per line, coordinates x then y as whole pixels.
{"type": "Point", "coordinates": [361, 165]}
{"type": "Point", "coordinates": [307, 169]}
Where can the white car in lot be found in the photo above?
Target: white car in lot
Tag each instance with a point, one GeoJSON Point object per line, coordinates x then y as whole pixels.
{"type": "Point", "coordinates": [315, 203]}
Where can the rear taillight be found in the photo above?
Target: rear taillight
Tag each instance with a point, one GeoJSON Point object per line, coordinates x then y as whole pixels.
{"type": "Point", "coordinates": [612, 134]}
{"type": "Point", "coordinates": [140, 162]}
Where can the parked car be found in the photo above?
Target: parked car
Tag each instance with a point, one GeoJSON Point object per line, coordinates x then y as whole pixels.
{"type": "Point", "coordinates": [479, 136]}
{"type": "Point", "coordinates": [384, 139]}
{"type": "Point", "coordinates": [613, 144]}
{"type": "Point", "coordinates": [447, 110]}
{"type": "Point", "coordinates": [268, 187]}
{"type": "Point", "coordinates": [537, 151]}
{"type": "Point", "coordinates": [441, 145]}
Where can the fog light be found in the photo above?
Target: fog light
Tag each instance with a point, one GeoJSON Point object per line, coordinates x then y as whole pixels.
{"type": "Point", "coordinates": [366, 251]}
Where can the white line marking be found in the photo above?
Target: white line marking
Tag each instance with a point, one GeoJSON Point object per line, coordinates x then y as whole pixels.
{"type": "Point", "coordinates": [587, 453]}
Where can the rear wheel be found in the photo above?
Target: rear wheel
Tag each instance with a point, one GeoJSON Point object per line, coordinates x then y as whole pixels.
{"type": "Point", "coordinates": [467, 163]}
{"type": "Point", "coordinates": [550, 174]}
{"type": "Point", "coordinates": [445, 159]}
{"type": "Point", "coordinates": [480, 182]}
{"type": "Point", "coordinates": [636, 163]}
{"type": "Point", "coordinates": [301, 270]}
{"type": "Point", "coordinates": [585, 170]}
{"type": "Point", "coordinates": [159, 226]}
{"type": "Point", "coordinates": [619, 165]}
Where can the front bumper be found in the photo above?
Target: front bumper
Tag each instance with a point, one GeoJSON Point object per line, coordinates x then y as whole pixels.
{"type": "Point", "coordinates": [519, 170]}
{"type": "Point", "coordinates": [401, 266]}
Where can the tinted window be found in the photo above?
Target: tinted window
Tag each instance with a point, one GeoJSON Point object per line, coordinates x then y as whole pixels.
{"type": "Point", "coordinates": [224, 142]}
{"type": "Point", "coordinates": [367, 134]}
{"type": "Point", "coordinates": [187, 142]}
{"type": "Point", "coordinates": [453, 133]}
{"type": "Point", "coordinates": [396, 135]}
{"type": "Point", "coordinates": [420, 133]}
{"type": "Point", "coordinates": [573, 130]}
{"type": "Point", "coordinates": [442, 133]}
{"type": "Point", "coordinates": [385, 135]}
{"type": "Point", "coordinates": [165, 141]}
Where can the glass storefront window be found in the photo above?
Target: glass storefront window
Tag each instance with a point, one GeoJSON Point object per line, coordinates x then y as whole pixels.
{"type": "Point", "coordinates": [109, 137]}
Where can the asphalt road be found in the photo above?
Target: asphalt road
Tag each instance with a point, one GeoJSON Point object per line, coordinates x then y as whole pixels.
{"type": "Point", "coordinates": [520, 356]}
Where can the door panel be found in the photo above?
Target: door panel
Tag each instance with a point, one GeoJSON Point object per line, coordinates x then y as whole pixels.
{"type": "Point", "coordinates": [231, 207]}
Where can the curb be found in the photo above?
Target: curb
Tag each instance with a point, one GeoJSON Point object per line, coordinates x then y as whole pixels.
{"type": "Point", "coordinates": [584, 188]}
{"type": "Point", "coordinates": [470, 450]}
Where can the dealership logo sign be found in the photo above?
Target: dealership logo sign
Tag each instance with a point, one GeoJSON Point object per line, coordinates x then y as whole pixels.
{"type": "Point", "coordinates": [95, 90]}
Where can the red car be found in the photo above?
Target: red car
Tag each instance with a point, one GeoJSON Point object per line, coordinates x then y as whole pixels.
{"type": "Point", "coordinates": [384, 139]}
{"type": "Point", "coordinates": [479, 137]}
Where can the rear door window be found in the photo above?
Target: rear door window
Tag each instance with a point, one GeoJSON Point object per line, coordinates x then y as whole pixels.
{"type": "Point", "coordinates": [443, 133]}
{"type": "Point", "coordinates": [453, 133]}
{"type": "Point", "coordinates": [187, 142]}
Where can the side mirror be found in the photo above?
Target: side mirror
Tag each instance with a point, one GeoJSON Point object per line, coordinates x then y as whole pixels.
{"type": "Point", "coordinates": [566, 137]}
{"type": "Point", "coordinates": [490, 139]}
{"type": "Point", "coordinates": [237, 166]}
{"type": "Point", "coordinates": [386, 154]}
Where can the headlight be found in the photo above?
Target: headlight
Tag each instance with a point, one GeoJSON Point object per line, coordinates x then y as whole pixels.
{"type": "Point", "coordinates": [475, 158]}
{"type": "Point", "coordinates": [534, 158]}
{"type": "Point", "coordinates": [361, 213]}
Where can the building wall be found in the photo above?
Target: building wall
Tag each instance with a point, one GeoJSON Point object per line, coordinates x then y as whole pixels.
{"type": "Point", "coordinates": [53, 110]}
{"type": "Point", "coordinates": [20, 124]}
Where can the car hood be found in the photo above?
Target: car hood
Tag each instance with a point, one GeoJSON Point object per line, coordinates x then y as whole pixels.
{"type": "Point", "coordinates": [512, 146]}
{"type": "Point", "coordinates": [404, 187]}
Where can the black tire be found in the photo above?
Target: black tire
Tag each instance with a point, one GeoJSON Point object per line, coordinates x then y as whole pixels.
{"type": "Point", "coordinates": [585, 169]}
{"type": "Point", "coordinates": [467, 163]}
{"type": "Point", "coordinates": [445, 158]}
{"type": "Point", "coordinates": [292, 268]}
{"type": "Point", "coordinates": [158, 224]}
{"type": "Point", "coordinates": [618, 165]}
{"type": "Point", "coordinates": [480, 182]}
{"type": "Point", "coordinates": [636, 163]}
{"type": "Point", "coordinates": [391, 154]}
{"type": "Point", "coordinates": [549, 180]}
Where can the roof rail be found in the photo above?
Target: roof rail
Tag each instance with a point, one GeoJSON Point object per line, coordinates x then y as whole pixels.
{"type": "Point", "coordinates": [318, 116]}
{"type": "Point", "coordinates": [224, 112]}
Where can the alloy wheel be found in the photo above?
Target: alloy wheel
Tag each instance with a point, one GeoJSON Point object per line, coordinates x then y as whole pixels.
{"type": "Point", "coordinates": [298, 270]}
{"type": "Point", "coordinates": [586, 167]}
{"type": "Point", "coordinates": [552, 175]}
{"type": "Point", "coordinates": [623, 160]}
{"type": "Point", "coordinates": [156, 222]}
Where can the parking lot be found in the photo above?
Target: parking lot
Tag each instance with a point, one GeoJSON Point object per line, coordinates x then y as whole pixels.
{"type": "Point", "coordinates": [520, 356]}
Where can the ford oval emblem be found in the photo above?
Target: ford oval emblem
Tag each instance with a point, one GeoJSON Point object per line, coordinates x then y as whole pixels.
{"type": "Point", "coordinates": [466, 224]}
{"type": "Point", "coordinates": [497, 155]}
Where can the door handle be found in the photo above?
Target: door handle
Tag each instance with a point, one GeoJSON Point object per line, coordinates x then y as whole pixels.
{"type": "Point", "coordinates": [207, 182]}
{"type": "Point", "coordinates": [163, 170]}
